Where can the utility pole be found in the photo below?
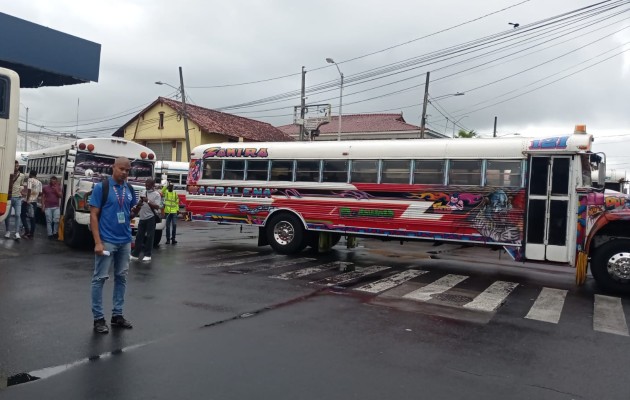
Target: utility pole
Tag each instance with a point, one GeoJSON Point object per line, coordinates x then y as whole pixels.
{"type": "Point", "coordinates": [495, 127]}
{"type": "Point", "coordinates": [26, 132]}
{"type": "Point", "coordinates": [181, 88]}
{"type": "Point", "coordinates": [303, 104]}
{"type": "Point", "coordinates": [424, 107]}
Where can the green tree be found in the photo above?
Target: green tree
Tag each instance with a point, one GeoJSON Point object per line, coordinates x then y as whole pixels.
{"type": "Point", "coordinates": [466, 134]}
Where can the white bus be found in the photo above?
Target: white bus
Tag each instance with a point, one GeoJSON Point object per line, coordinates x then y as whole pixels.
{"type": "Point", "coordinates": [174, 171]}
{"type": "Point", "coordinates": [22, 158]}
{"type": "Point", "coordinates": [531, 196]}
{"type": "Point", "coordinates": [79, 166]}
{"type": "Point", "coordinates": [9, 113]}
{"type": "Point", "coordinates": [616, 179]}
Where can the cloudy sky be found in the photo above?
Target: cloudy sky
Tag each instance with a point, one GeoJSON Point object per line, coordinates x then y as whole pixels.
{"type": "Point", "coordinates": [567, 63]}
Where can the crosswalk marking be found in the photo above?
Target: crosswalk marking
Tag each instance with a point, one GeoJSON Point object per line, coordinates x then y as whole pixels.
{"type": "Point", "coordinates": [246, 260]}
{"type": "Point", "coordinates": [353, 275]}
{"type": "Point", "coordinates": [548, 306]}
{"type": "Point", "coordinates": [391, 281]}
{"type": "Point", "coordinates": [608, 315]}
{"type": "Point", "coordinates": [221, 257]}
{"type": "Point", "coordinates": [311, 270]}
{"type": "Point", "coordinates": [491, 298]}
{"type": "Point", "coordinates": [285, 263]}
{"type": "Point", "coordinates": [440, 286]}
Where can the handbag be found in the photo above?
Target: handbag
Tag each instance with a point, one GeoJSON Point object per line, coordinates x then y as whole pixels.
{"type": "Point", "coordinates": [158, 219]}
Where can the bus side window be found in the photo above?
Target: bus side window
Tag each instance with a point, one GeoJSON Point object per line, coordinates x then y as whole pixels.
{"type": "Point", "coordinates": [429, 172]}
{"type": "Point", "coordinates": [335, 171]}
{"type": "Point", "coordinates": [257, 170]}
{"type": "Point", "coordinates": [281, 170]}
{"type": "Point", "coordinates": [234, 169]}
{"type": "Point", "coordinates": [364, 171]}
{"type": "Point", "coordinates": [307, 171]}
{"type": "Point", "coordinates": [464, 172]}
{"type": "Point", "coordinates": [503, 173]}
{"type": "Point", "coordinates": [395, 171]}
{"type": "Point", "coordinates": [212, 169]}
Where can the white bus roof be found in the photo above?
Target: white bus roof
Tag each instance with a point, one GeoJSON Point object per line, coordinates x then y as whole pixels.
{"type": "Point", "coordinates": [104, 146]}
{"type": "Point", "coordinates": [171, 166]}
{"type": "Point", "coordinates": [475, 148]}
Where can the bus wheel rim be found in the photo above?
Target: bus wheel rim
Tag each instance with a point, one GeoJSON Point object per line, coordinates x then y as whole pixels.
{"type": "Point", "coordinates": [283, 233]}
{"type": "Point", "coordinates": [619, 266]}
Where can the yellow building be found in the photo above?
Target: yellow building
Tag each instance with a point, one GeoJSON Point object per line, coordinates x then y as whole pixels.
{"type": "Point", "coordinates": [160, 126]}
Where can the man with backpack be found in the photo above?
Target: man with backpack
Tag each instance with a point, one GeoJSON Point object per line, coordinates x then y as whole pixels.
{"type": "Point", "coordinates": [110, 208]}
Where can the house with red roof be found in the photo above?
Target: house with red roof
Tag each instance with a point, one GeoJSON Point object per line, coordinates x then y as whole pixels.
{"type": "Point", "coordinates": [160, 127]}
{"type": "Point", "coordinates": [365, 127]}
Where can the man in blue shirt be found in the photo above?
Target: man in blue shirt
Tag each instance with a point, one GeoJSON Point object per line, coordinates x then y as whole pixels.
{"type": "Point", "coordinates": [111, 230]}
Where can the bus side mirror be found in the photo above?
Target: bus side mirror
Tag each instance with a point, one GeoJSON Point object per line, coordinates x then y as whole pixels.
{"type": "Point", "coordinates": [601, 174]}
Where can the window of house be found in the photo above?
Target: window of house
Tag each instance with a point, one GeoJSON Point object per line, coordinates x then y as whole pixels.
{"type": "Point", "coordinates": [464, 172]}
{"type": "Point", "coordinates": [161, 121]}
{"type": "Point", "coordinates": [429, 172]}
{"type": "Point", "coordinates": [364, 171]}
{"type": "Point", "coordinates": [395, 171]}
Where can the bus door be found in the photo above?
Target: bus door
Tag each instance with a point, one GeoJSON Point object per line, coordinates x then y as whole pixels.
{"type": "Point", "coordinates": [547, 236]}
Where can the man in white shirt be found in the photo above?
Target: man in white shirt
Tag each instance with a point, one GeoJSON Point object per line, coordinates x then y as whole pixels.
{"type": "Point", "coordinates": [33, 189]}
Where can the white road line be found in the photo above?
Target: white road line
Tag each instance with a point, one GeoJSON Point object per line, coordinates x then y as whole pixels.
{"type": "Point", "coordinates": [353, 275]}
{"type": "Point", "coordinates": [311, 270]}
{"type": "Point", "coordinates": [246, 260]}
{"type": "Point", "coordinates": [608, 315]}
{"type": "Point", "coordinates": [548, 305]}
{"type": "Point", "coordinates": [440, 286]}
{"type": "Point", "coordinates": [391, 281]}
{"type": "Point", "coordinates": [491, 298]}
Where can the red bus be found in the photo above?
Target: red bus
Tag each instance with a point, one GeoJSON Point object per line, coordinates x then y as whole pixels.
{"type": "Point", "coordinates": [532, 196]}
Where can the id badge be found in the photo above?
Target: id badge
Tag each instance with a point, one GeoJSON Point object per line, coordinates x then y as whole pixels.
{"type": "Point", "coordinates": [121, 217]}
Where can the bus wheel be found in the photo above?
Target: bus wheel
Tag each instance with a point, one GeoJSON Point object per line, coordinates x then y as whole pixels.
{"type": "Point", "coordinates": [610, 266]}
{"type": "Point", "coordinates": [74, 234]}
{"type": "Point", "coordinates": [285, 233]}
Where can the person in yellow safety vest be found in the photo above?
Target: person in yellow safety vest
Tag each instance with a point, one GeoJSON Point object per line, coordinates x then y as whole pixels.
{"type": "Point", "coordinates": [171, 209]}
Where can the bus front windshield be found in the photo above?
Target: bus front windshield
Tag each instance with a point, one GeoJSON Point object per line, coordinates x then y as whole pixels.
{"type": "Point", "coordinates": [103, 165]}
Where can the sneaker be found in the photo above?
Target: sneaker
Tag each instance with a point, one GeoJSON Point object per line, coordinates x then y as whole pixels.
{"type": "Point", "coordinates": [146, 258]}
{"type": "Point", "coordinates": [17, 235]}
{"type": "Point", "coordinates": [8, 236]}
{"type": "Point", "coordinates": [120, 322]}
{"type": "Point", "coordinates": [100, 326]}
{"type": "Point", "coordinates": [174, 241]}
{"type": "Point", "coordinates": [133, 258]}
{"type": "Point", "coordinates": [168, 241]}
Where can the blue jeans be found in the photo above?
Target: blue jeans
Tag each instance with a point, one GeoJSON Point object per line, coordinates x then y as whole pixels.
{"type": "Point", "coordinates": [119, 257]}
{"type": "Point", "coordinates": [16, 205]}
{"type": "Point", "coordinates": [171, 219]}
{"type": "Point", "coordinates": [52, 220]}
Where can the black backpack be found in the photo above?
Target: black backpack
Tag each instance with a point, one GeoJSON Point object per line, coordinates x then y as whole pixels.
{"type": "Point", "coordinates": [105, 195]}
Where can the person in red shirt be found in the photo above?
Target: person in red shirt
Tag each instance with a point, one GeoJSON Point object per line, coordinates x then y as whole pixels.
{"type": "Point", "coordinates": [51, 194]}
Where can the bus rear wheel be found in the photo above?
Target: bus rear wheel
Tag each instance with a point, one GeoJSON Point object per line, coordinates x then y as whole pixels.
{"type": "Point", "coordinates": [285, 234]}
{"type": "Point", "coordinates": [74, 234]}
{"type": "Point", "coordinates": [610, 266]}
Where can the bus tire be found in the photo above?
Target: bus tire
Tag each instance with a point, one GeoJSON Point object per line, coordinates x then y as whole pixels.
{"type": "Point", "coordinates": [74, 234]}
{"type": "Point", "coordinates": [610, 266]}
{"type": "Point", "coordinates": [285, 233]}
{"type": "Point", "coordinates": [312, 239]}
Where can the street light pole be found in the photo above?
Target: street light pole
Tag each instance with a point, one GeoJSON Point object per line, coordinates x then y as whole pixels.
{"type": "Point", "coordinates": [183, 93]}
{"type": "Point", "coordinates": [331, 61]}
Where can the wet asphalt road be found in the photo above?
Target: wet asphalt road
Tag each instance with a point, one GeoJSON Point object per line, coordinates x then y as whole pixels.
{"type": "Point", "coordinates": [211, 323]}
